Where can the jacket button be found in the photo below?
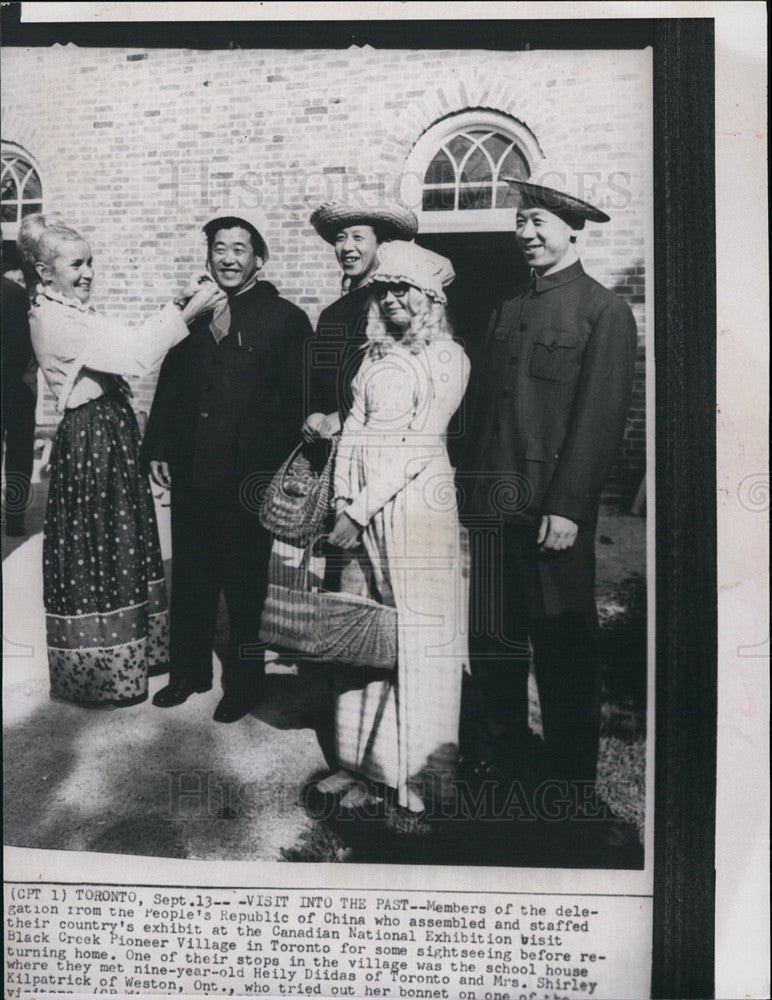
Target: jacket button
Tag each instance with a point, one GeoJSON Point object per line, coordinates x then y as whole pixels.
{"type": "Point", "coordinates": [204, 415]}
{"type": "Point", "coordinates": [523, 327]}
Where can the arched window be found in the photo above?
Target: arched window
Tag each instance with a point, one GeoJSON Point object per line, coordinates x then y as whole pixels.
{"type": "Point", "coordinates": [460, 164]}
{"type": "Point", "coordinates": [466, 172]}
{"type": "Point", "coordinates": [21, 192]}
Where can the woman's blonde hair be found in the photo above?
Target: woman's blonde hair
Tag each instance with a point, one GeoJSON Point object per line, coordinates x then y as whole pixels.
{"type": "Point", "coordinates": [429, 323]}
{"type": "Point", "coordinates": [38, 242]}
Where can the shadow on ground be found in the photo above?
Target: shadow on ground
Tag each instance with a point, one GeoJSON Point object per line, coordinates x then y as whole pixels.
{"type": "Point", "coordinates": [167, 783]}
{"type": "Point", "coordinates": [172, 783]}
{"type": "Point", "coordinates": [488, 824]}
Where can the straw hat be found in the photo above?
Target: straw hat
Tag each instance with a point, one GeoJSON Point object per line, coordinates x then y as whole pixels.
{"type": "Point", "coordinates": [391, 220]}
{"type": "Point", "coordinates": [554, 188]}
{"type": "Point", "coordinates": [405, 263]}
{"type": "Point", "coordinates": [253, 218]}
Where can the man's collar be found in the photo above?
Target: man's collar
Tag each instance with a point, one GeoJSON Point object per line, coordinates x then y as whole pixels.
{"type": "Point", "coordinates": [346, 286]}
{"type": "Point", "coordinates": [245, 288]}
{"type": "Point", "coordinates": [362, 289]}
{"type": "Point", "coordinates": [542, 283]}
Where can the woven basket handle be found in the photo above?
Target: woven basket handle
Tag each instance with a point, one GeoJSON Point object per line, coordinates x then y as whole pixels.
{"type": "Point", "coordinates": [297, 449]}
{"type": "Point", "coordinates": [288, 464]}
{"type": "Point", "coordinates": [304, 562]}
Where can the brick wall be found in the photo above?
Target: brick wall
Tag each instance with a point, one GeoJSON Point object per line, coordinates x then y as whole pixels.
{"type": "Point", "coordinates": [136, 146]}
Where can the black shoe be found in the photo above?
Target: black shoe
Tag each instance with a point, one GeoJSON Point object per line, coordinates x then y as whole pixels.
{"type": "Point", "coordinates": [233, 707]}
{"type": "Point", "coordinates": [177, 693]}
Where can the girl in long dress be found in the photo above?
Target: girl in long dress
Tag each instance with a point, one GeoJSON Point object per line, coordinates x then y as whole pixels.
{"type": "Point", "coordinates": [103, 581]}
{"type": "Point", "coordinates": [394, 494]}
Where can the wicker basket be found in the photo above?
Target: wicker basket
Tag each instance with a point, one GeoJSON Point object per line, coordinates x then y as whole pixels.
{"type": "Point", "coordinates": [298, 503]}
{"type": "Point", "coordinates": [333, 627]}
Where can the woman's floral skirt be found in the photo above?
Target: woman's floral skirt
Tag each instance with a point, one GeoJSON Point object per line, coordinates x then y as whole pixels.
{"type": "Point", "coordinates": [104, 591]}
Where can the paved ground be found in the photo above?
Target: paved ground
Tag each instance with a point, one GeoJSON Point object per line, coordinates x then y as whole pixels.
{"type": "Point", "coordinates": [174, 783]}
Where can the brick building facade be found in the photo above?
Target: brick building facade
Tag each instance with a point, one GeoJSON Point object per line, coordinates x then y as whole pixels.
{"type": "Point", "coordinates": [136, 146]}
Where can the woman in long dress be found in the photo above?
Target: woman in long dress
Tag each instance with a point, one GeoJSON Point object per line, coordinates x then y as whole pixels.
{"type": "Point", "coordinates": [103, 581]}
{"type": "Point", "coordinates": [394, 494]}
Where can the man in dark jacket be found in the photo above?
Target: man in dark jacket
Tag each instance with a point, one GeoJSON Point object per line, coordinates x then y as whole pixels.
{"type": "Point", "coordinates": [19, 398]}
{"type": "Point", "coordinates": [336, 352]}
{"type": "Point", "coordinates": [355, 232]}
{"type": "Point", "coordinates": [553, 391]}
{"type": "Point", "coordinates": [226, 412]}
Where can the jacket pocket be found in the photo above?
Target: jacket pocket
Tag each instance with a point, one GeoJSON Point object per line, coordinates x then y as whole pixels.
{"type": "Point", "coordinates": [539, 450]}
{"type": "Point", "coordinates": [555, 356]}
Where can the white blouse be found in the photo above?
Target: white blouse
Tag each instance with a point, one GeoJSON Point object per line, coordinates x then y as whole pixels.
{"type": "Point", "coordinates": [395, 431]}
{"type": "Point", "coordinates": [73, 344]}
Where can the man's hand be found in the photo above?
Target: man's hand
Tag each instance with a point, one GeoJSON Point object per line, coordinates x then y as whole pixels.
{"type": "Point", "coordinates": [556, 533]}
{"type": "Point", "coordinates": [346, 533]}
{"type": "Point", "coordinates": [330, 425]}
{"type": "Point", "coordinates": [312, 427]}
{"type": "Point", "coordinates": [159, 473]}
{"type": "Point", "coordinates": [320, 426]}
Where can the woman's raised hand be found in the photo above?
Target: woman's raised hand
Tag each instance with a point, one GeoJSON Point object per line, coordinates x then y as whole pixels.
{"type": "Point", "coordinates": [208, 296]}
{"type": "Point", "coordinates": [193, 286]}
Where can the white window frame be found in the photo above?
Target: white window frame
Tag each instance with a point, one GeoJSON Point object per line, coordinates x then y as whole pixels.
{"type": "Point", "coordinates": [9, 149]}
{"type": "Point", "coordinates": [487, 220]}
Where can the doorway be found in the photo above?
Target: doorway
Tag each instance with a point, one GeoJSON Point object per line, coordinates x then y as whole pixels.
{"type": "Point", "coordinates": [489, 267]}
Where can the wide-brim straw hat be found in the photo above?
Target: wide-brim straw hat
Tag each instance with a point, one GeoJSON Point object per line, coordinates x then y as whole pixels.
{"type": "Point", "coordinates": [550, 188]}
{"type": "Point", "coordinates": [403, 263]}
{"type": "Point", "coordinates": [254, 218]}
{"type": "Point", "coordinates": [391, 220]}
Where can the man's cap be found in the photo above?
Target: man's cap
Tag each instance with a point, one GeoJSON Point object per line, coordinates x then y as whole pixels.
{"type": "Point", "coordinates": [391, 220]}
{"type": "Point", "coordinates": [400, 262]}
{"type": "Point", "coordinates": [550, 188]}
{"type": "Point", "coordinates": [253, 218]}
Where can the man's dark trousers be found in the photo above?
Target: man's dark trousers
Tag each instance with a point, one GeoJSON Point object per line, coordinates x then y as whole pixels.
{"type": "Point", "coordinates": [19, 401]}
{"type": "Point", "coordinates": [218, 544]}
{"type": "Point", "coordinates": [509, 608]}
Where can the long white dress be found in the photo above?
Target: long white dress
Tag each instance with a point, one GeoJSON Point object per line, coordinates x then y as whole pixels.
{"type": "Point", "coordinates": [401, 727]}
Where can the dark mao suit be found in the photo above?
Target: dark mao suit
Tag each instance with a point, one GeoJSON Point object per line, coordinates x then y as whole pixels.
{"type": "Point", "coordinates": [224, 417]}
{"type": "Point", "coordinates": [553, 391]}
{"type": "Point", "coordinates": [336, 352]}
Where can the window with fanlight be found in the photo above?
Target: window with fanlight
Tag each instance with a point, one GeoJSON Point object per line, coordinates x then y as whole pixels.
{"type": "Point", "coordinates": [461, 163]}
{"type": "Point", "coordinates": [21, 191]}
{"type": "Point", "coordinates": [468, 171]}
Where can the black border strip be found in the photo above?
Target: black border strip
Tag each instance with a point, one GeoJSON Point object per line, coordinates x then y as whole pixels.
{"type": "Point", "coordinates": [506, 34]}
{"type": "Point", "coordinates": [685, 351]}
{"type": "Point", "coordinates": [686, 549]}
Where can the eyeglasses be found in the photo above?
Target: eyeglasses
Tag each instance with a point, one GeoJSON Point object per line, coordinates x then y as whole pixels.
{"type": "Point", "coordinates": [398, 291]}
